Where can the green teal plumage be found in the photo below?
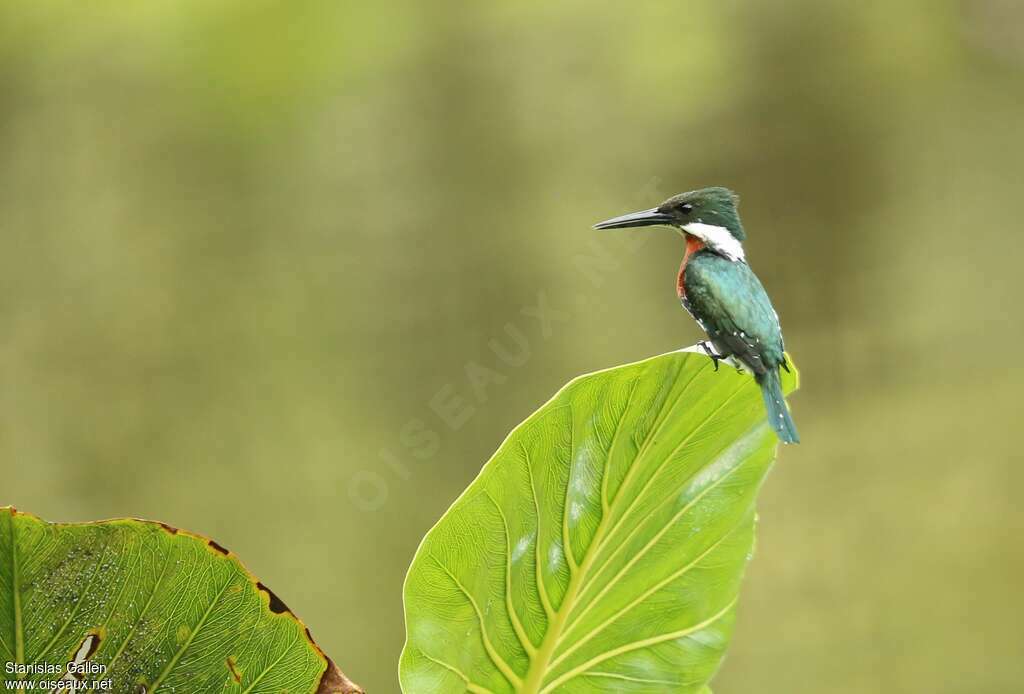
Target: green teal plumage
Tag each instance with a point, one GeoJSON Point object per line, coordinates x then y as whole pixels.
{"type": "Point", "coordinates": [775, 403]}
{"type": "Point", "coordinates": [730, 304]}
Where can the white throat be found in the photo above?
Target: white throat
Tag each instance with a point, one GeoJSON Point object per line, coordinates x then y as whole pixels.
{"type": "Point", "coordinates": [718, 239]}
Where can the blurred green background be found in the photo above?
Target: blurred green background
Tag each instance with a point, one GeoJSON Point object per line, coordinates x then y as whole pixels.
{"type": "Point", "coordinates": [286, 273]}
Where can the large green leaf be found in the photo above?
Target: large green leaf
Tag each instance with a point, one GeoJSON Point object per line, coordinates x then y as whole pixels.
{"type": "Point", "coordinates": [149, 609]}
{"type": "Point", "coordinates": [601, 549]}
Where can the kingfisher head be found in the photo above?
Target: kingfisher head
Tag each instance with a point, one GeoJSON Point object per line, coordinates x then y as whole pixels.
{"type": "Point", "coordinates": [709, 214]}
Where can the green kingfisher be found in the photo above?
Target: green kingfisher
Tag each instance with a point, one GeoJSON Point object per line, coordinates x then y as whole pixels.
{"type": "Point", "coordinates": [721, 292]}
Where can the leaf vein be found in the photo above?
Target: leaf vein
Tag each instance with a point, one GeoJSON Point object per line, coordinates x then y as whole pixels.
{"type": "Point", "coordinates": [627, 678]}
{"type": "Point", "coordinates": [470, 685]}
{"type": "Point", "coordinates": [142, 613]}
{"type": "Point", "coordinates": [605, 505]}
{"type": "Point", "coordinates": [650, 480]}
{"type": "Point", "coordinates": [191, 637]}
{"type": "Point", "coordinates": [542, 590]}
{"type": "Point", "coordinates": [654, 540]}
{"type": "Point", "coordinates": [78, 603]}
{"type": "Point", "coordinates": [517, 625]}
{"type": "Point", "coordinates": [19, 634]}
{"type": "Point", "coordinates": [272, 665]}
{"type": "Point", "coordinates": [655, 430]}
{"type": "Point", "coordinates": [495, 657]}
{"type": "Point", "coordinates": [635, 645]}
{"type": "Point", "coordinates": [577, 642]}
{"type": "Point", "coordinates": [566, 540]}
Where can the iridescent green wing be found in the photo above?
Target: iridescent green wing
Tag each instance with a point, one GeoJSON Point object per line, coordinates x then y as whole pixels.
{"type": "Point", "coordinates": [734, 310]}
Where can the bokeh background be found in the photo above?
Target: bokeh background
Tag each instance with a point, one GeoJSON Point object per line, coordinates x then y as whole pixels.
{"type": "Point", "coordinates": [250, 252]}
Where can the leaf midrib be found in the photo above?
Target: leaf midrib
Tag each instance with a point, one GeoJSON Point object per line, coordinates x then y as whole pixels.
{"type": "Point", "coordinates": [539, 665]}
{"type": "Point", "coordinates": [646, 548]}
{"type": "Point", "coordinates": [19, 636]}
{"type": "Point", "coordinates": [582, 639]}
{"type": "Point", "coordinates": [534, 681]}
{"type": "Point", "coordinates": [188, 642]}
{"type": "Point", "coordinates": [620, 521]}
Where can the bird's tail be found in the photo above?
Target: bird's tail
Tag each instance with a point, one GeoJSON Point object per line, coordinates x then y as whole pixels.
{"type": "Point", "coordinates": [775, 403]}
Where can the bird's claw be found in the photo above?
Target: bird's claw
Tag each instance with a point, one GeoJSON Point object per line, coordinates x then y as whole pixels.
{"type": "Point", "coordinates": [715, 358]}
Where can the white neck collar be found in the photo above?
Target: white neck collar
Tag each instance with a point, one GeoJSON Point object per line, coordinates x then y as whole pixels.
{"type": "Point", "coordinates": [718, 239]}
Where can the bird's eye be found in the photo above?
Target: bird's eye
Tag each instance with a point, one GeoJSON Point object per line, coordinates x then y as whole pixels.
{"type": "Point", "coordinates": [686, 209]}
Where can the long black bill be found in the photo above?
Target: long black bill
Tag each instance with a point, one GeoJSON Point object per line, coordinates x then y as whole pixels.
{"type": "Point", "coordinates": [645, 218]}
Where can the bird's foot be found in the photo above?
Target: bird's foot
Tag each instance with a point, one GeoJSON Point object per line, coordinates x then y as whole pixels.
{"type": "Point", "coordinates": [715, 358]}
